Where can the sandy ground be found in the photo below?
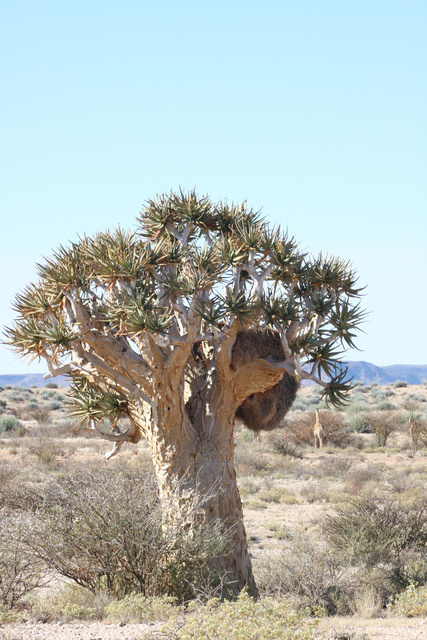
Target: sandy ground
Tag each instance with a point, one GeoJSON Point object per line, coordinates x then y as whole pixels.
{"type": "Point", "coordinates": [329, 629]}
{"type": "Point", "coordinates": [79, 631]}
{"type": "Point", "coordinates": [393, 628]}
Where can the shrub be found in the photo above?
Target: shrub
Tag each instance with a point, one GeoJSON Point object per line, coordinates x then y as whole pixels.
{"type": "Point", "coordinates": [383, 423]}
{"type": "Point", "coordinates": [8, 473]}
{"type": "Point", "coordinates": [385, 405]}
{"type": "Point", "coordinates": [358, 423]}
{"type": "Point", "coordinates": [20, 573]}
{"type": "Point", "coordinates": [68, 602]}
{"type": "Point", "coordinates": [139, 608]}
{"type": "Point", "coordinates": [285, 444]}
{"type": "Point", "coordinates": [67, 428]}
{"type": "Point", "coordinates": [40, 414]}
{"type": "Point", "coordinates": [356, 407]}
{"type": "Point", "coordinates": [311, 575]}
{"type": "Point", "coordinates": [411, 602]}
{"type": "Point", "coordinates": [400, 384]}
{"type": "Point", "coordinates": [376, 532]}
{"type": "Point", "coordinates": [51, 385]}
{"type": "Point", "coordinates": [46, 450]}
{"type": "Point", "coordinates": [7, 423]}
{"type": "Point", "coordinates": [16, 397]}
{"type": "Point", "coordinates": [243, 619]}
{"type": "Point", "coordinates": [53, 405]}
{"type": "Point", "coordinates": [336, 466]}
{"type": "Point", "coordinates": [103, 530]}
{"type": "Point", "coordinates": [300, 427]}
{"type": "Point", "coordinates": [369, 473]}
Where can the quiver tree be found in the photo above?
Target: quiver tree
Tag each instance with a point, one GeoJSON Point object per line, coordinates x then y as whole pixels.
{"type": "Point", "coordinates": [202, 314]}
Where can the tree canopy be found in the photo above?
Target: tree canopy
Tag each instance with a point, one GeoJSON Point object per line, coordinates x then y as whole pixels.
{"type": "Point", "coordinates": [113, 309]}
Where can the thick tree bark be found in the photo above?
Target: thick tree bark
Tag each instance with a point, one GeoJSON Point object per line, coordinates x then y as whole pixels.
{"type": "Point", "coordinates": [202, 489]}
{"type": "Point", "coordinates": [192, 450]}
{"type": "Point", "coordinates": [189, 425]}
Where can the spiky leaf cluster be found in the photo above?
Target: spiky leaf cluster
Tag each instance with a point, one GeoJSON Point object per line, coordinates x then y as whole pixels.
{"type": "Point", "coordinates": [90, 401]}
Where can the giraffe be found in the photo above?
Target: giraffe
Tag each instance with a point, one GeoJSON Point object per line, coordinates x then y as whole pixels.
{"type": "Point", "coordinates": [414, 433]}
{"type": "Point", "coordinates": [319, 432]}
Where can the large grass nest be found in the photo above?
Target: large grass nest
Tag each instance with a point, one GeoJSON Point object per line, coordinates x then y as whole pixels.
{"type": "Point", "coordinates": [263, 411]}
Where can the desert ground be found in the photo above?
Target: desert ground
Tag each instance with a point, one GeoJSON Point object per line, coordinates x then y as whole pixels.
{"type": "Point", "coordinates": [306, 511]}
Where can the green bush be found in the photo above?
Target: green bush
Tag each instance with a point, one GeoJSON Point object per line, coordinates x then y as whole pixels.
{"type": "Point", "coordinates": [68, 602]}
{"type": "Point", "coordinates": [54, 405]}
{"type": "Point", "coordinates": [358, 423]}
{"type": "Point", "coordinates": [243, 619]}
{"type": "Point", "coordinates": [7, 423]}
{"type": "Point", "coordinates": [411, 602]}
{"type": "Point", "coordinates": [385, 405]}
{"type": "Point", "coordinates": [16, 397]}
{"type": "Point", "coordinates": [139, 608]}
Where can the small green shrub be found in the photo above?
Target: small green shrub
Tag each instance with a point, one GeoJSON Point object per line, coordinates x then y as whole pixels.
{"type": "Point", "coordinates": [139, 608]}
{"type": "Point", "coordinates": [8, 615]}
{"type": "Point", "coordinates": [68, 602]}
{"type": "Point", "coordinates": [51, 385]}
{"type": "Point", "coordinates": [358, 423]}
{"type": "Point", "coordinates": [411, 602]}
{"type": "Point", "coordinates": [399, 384]}
{"type": "Point", "coordinates": [7, 423]}
{"type": "Point", "coordinates": [16, 397]}
{"type": "Point", "coordinates": [385, 405]}
{"type": "Point", "coordinates": [243, 619]}
{"type": "Point", "coordinates": [54, 405]}
{"type": "Point", "coordinates": [356, 407]}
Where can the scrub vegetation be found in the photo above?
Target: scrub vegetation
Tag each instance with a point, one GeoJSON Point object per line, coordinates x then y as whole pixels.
{"type": "Point", "coordinates": [336, 531]}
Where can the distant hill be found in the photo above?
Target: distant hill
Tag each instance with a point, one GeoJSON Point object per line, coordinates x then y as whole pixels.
{"type": "Point", "coordinates": [367, 372]}
{"type": "Point", "coordinates": [31, 380]}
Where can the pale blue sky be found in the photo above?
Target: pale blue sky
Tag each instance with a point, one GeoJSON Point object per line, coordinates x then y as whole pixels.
{"type": "Point", "coordinates": [314, 110]}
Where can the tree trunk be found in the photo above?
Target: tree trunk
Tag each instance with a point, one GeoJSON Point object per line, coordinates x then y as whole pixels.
{"type": "Point", "coordinates": [194, 465]}
{"type": "Point", "coordinates": [206, 491]}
